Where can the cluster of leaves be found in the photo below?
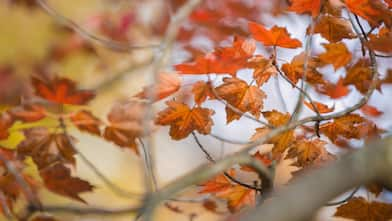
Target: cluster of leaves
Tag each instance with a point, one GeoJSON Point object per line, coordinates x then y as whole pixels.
{"type": "Point", "coordinates": [57, 100]}
{"type": "Point", "coordinates": [241, 96]}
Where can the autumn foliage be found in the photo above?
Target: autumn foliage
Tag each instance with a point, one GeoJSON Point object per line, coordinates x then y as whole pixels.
{"type": "Point", "coordinates": [247, 57]}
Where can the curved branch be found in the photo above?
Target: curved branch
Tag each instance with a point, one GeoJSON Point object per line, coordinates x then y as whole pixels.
{"type": "Point", "coordinates": [114, 45]}
{"type": "Point", "coordinates": [371, 163]}
{"type": "Point", "coordinates": [199, 175]}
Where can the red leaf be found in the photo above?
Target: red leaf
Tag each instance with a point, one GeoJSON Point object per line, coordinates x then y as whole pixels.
{"type": "Point", "coordinates": [183, 120]}
{"type": "Point", "coordinates": [306, 6]}
{"type": "Point", "coordinates": [86, 121]}
{"type": "Point", "coordinates": [61, 90]}
{"type": "Point", "coordinates": [168, 83]}
{"type": "Point", "coordinates": [276, 36]}
{"type": "Point", "coordinates": [322, 108]}
{"type": "Point", "coordinates": [371, 111]}
{"type": "Point", "coordinates": [58, 179]}
{"type": "Point", "coordinates": [28, 113]}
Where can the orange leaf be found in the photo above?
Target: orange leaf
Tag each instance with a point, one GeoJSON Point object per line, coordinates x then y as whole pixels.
{"type": "Point", "coordinates": [334, 91]}
{"type": "Point", "coordinates": [374, 11]}
{"type": "Point", "coordinates": [359, 209]}
{"type": "Point", "coordinates": [306, 151]}
{"type": "Point", "coordinates": [381, 42]}
{"type": "Point", "coordinates": [86, 121]}
{"type": "Point", "coordinates": [351, 126]}
{"type": "Point", "coordinates": [224, 60]}
{"type": "Point", "coordinates": [242, 96]}
{"type": "Point", "coordinates": [126, 124]}
{"type": "Point", "coordinates": [371, 111]}
{"type": "Point", "coordinates": [263, 69]}
{"type": "Point", "coordinates": [237, 197]}
{"type": "Point", "coordinates": [168, 83]}
{"type": "Point", "coordinates": [306, 6]}
{"type": "Point", "coordinates": [28, 113]}
{"type": "Point", "coordinates": [295, 70]}
{"type": "Point", "coordinates": [217, 184]}
{"type": "Point", "coordinates": [281, 142]}
{"type": "Point", "coordinates": [202, 90]}
{"type": "Point", "coordinates": [61, 90]}
{"type": "Point", "coordinates": [360, 75]}
{"type": "Point", "coordinates": [337, 54]}
{"type": "Point", "coordinates": [322, 108]}
{"type": "Point", "coordinates": [58, 179]}
{"type": "Point", "coordinates": [277, 36]}
{"type": "Point", "coordinates": [333, 28]}
{"type": "Point", "coordinates": [183, 120]}
{"type": "Point", "coordinates": [45, 148]}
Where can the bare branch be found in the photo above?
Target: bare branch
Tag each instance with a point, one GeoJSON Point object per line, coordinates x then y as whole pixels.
{"type": "Point", "coordinates": [199, 175]}
{"type": "Point", "coordinates": [372, 163]}
{"type": "Point", "coordinates": [114, 45]}
{"type": "Point", "coordinates": [160, 61]}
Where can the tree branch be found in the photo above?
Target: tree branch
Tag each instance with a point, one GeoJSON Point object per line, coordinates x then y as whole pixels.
{"type": "Point", "coordinates": [303, 197]}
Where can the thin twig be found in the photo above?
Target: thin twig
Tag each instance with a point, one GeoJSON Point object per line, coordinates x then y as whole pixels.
{"type": "Point", "coordinates": [227, 175]}
{"type": "Point", "coordinates": [119, 191]}
{"type": "Point", "coordinates": [160, 61]}
{"type": "Point", "coordinates": [114, 45]}
{"type": "Point", "coordinates": [345, 199]}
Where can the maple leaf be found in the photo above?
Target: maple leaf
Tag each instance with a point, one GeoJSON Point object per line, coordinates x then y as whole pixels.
{"type": "Point", "coordinates": [45, 148]}
{"type": "Point", "coordinates": [282, 141]}
{"type": "Point", "coordinates": [183, 120]}
{"type": "Point", "coordinates": [57, 178]}
{"type": "Point", "coordinates": [306, 6]}
{"type": "Point", "coordinates": [242, 96]}
{"type": "Point", "coordinates": [371, 111]}
{"type": "Point", "coordinates": [217, 184]}
{"type": "Point", "coordinates": [334, 91]}
{"type": "Point", "coordinates": [167, 84]}
{"type": "Point", "coordinates": [202, 90]}
{"type": "Point", "coordinates": [61, 90]}
{"type": "Point", "coordinates": [295, 70]}
{"type": "Point", "coordinates": [202, 65]}
{"type": "Point", "coordinates": [337, 54]}
{"type": "Point", "coordinates": [5, 123]}
{"type": "Point", "coordinates": [126, 124]}
{"type": "Point", "coordinates": [85, 121]}
{"type": "Point", "coordinates": [351, 126]}
{"type": "Point", "coordinates": [321, 108]}
{"type": "Point", "coordinates": [10, 187]}
{"type": "Point", "coordinates": [359, 209]}
{"type": "Point", "coordinates": [306, 151]}
{"type": "Point", "coordinates": [360, 75]}
{"type": "Point", "coordinates": [373, 11]}
{"type": "Point", "coordinates": [236, 55]}
{"type": "Point", "coordinates": [263, 69]}
{"type": "Point", "coordinates": [381, 42]}
{"type": "Point", "coordinates": [276, 36]}
{"type": "Point", "coordinates": [333, 28]}
{"type": "Point", "coordinates": [28, 112]}
{"type": "Point", "coordinates": [224, 60]}
{"type": "Point", "coordinates": [237, 197]}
